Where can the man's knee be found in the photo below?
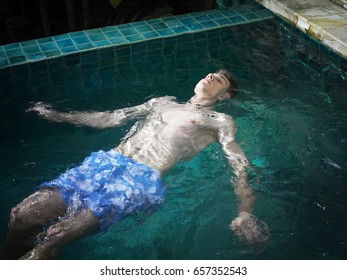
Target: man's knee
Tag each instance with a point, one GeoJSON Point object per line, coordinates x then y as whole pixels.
{"type": "Point", "coordinates": [79, 224]}
{"type": "Point", "coordinates": [37, 209]}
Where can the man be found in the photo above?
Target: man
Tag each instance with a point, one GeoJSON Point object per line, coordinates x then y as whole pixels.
{"type": "Point", "coordinates": [111, 185]}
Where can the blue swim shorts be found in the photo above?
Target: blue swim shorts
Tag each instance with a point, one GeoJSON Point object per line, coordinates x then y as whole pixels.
{"type": "Point", "coordinates": [111, 185]}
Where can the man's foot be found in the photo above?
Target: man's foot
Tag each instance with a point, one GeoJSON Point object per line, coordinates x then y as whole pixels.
{"type": "Point", "coordinates": [40, 252]}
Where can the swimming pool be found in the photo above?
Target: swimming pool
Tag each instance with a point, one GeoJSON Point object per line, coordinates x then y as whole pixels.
{"type": "Point", "coordinates": [291, 114]}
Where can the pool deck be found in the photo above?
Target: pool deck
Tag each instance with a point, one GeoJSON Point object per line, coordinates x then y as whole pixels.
{"type": "Point", "coordinates": [321, 19]}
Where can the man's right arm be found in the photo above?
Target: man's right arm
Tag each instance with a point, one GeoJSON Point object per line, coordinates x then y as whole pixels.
{"type": "Point", "coordinates": [98, 120]}
{"type": "Point", "coordinates": [246, 225]}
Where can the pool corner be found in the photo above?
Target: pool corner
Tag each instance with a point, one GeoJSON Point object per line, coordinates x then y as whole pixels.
{"type": "Point", "coordinates": [323, 20]}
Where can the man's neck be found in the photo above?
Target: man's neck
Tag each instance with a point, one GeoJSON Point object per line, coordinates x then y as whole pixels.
{"type": "Point", "coordinates": [197, 103]}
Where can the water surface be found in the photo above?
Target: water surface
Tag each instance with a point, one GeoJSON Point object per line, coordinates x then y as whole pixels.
{"type": "Point", "coordinates": [291, 117]}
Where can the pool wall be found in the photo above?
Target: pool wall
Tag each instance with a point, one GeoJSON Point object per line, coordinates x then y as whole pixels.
{"type": "Point", "coordinates": [110, 36]}
{"type": "Point", "coordinates": [323, 20]}
{"type": "Point", "coordinates": [228, 13]}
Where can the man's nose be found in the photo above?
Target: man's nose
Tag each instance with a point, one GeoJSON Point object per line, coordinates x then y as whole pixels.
{"type": "Point", "coordinates": [210, 76]}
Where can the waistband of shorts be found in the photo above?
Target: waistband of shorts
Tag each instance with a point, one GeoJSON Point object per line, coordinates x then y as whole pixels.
{"type": "Point", "coordinates": [114, 153]}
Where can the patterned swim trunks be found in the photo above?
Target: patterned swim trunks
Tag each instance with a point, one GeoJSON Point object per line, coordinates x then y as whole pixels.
{"type": "Point", "coordinates": [111, 185]}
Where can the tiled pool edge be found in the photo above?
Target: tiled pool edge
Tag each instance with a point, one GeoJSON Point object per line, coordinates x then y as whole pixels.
{"type": "Point", "coordinates": [111, 36]}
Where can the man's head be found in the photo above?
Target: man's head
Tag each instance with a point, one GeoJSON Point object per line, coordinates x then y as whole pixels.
{"type": "Point", "coordinates": [216, 86]}
{"type": "Point", "coordinates": [232, 90]}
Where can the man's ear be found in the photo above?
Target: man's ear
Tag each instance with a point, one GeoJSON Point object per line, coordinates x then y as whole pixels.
{"type": "Point", "coordinates": [224, 96]}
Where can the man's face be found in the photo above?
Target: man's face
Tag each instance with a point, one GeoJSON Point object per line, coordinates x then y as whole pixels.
{"type": "Point", "coordinates": [213, 86]}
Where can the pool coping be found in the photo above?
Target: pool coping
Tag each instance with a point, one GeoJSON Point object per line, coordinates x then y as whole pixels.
{"type": "Point", "coordinates": [322, 20]}
{"type": "Point", "coordinates": [111, 36]}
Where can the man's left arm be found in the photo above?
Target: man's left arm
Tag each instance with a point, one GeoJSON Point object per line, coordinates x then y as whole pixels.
{"type": "Point", "coordinates": [98, 120]}
{"type": "Point", "coordinates": [246, 225]}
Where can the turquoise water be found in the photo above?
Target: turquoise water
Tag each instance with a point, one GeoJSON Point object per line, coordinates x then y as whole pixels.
{"type": "Point", "coordinates": [291, 114]}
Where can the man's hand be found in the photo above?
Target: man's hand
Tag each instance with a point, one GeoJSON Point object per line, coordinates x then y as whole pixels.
{"type": "Point", "coordinates": [42, 109]}
{"type": "Point", "coordinates": [249, 229]}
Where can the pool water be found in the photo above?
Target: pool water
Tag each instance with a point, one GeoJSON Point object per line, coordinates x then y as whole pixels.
{"type": "Point", "coordinates": [291, 114]}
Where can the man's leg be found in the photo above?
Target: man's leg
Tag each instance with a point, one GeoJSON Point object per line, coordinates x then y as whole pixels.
{"type": "Point", "coordinates": [76, 226]}
{"type": "Point", "coordinates": [28, 218]}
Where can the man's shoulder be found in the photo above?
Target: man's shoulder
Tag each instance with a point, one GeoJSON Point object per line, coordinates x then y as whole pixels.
{"type": "Point", "coordinates": [226, 123]}
{"type": "Point", "coordinates": [223, 117]}
{"type": "Point", "coordinates": [163, 99]}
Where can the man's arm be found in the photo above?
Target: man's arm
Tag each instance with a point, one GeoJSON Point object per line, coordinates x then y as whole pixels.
{"type": "Point", "coordinates": [246, 226]}
{"type": "Point", "coordinates": [98, 120]}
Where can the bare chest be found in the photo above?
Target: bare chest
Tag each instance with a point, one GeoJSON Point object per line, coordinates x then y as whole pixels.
{"type": "Point", "coordinates": [178, 116]}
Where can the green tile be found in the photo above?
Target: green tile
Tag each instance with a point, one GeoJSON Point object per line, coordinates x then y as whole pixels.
{"type": "Point", "coordinates": [77, 34]}
{"type": "Point", "coordinates": [183, 16]}
{"type": "Point", "coordinates": [119, 40]}
{"type": "Point", "coordinates": [92, 31]}
{"type": "Point", "coordinates": [135, 38]}
{"type": "Point", "coordinates": [180, 29]}
{"type": "Point", "coordinates": [81, 40]}
{"type": "Point", "coordinates": [72, 60]}
{"type": "Point", "coordinates": [169, 42]}
{"type": "Point", "coordinates": [196, 27]}
{"type": "Point", "coordinates": [65, 43]}
{"type": "Point", "coordinates": [28, 43]}
{"type": "Point", "coordinates": [154, 44]}
{"type": "Point", "coordinates": [144, 28]}
{"type": "Point", "coordinates": [17, 59]}
{"type": "Point", "coordinates": [96, 37]}
{"type": "Point", "coordinates": [139, 23]}
{"type": "Point", "coordinates": [128, 31]}
{"type": "Point", "coordinates": [52, 53]}
{"type": "Point", "coordinates": [48, 46]}
{"type": "Point", "coordinates": [223, 22]}
{"type": "Point", "coordinates": [334, 56]}
{"type": "Point", "coordinates": [44, 40]}
{"type": "Point", "coordinates": [102, 43]}
{"type": "Point", "coordinates": [31, 49]}
{"type": "Point", "coordinates": [3, 62]}
{"type": "Point", "coordinates": [237, 19]}
{"type": "Point", "coordinates": [165, 32]}
{"type": "Point", "coordinates": [209, 24]}
{"type": "Point", "coordinates": [113, 34]}
{"type": "Point", "coordinates": [61, 37]}
{"type": "Point", "coordinates": [264, 13]}
{"type": "Point", "coordinates": [109, 28]}
{"type": "Point", "coordinates": [170, 18]}
{"type": "Point", "coordinates": [85, 46]}
{"type": "Point", "coordinates": [216, 16]}
{"type": "Point", "coordinates": [35, 56]}
{"type": "Point", "coordinates": [173, 23]}
{"type": "Point", "coordinates": [250, 16]}
{"type": "Point", "coordinates": [188, 21]}
{"type": "Point", "coordinates": [56, 64]}
{"type": "Point", "coordinates": [202, 18]}
{"type": "Point", "coordinates": [243, 11]}
{"type": "Point", "coordinates": [90, 57]}
{"type": "Point", "coordinates": [123, 51]}
{"type": "Point", "coordinates": [12, 46]}
{"type": "Point", "coordinates": [150, 35]}
{"type": "Point", "coordinates": [159, 26]}
{"type": "Point", "coordinates": [15, 52]}
{"type": "Point", "coordinates": [229, 13]}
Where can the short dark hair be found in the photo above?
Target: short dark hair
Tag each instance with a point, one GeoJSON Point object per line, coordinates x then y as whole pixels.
{"type": "Point", "coordinates": [233, 88]}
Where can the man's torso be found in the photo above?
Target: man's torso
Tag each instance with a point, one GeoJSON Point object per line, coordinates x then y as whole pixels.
{"type": "Point", "coordinates": [171, 133]}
